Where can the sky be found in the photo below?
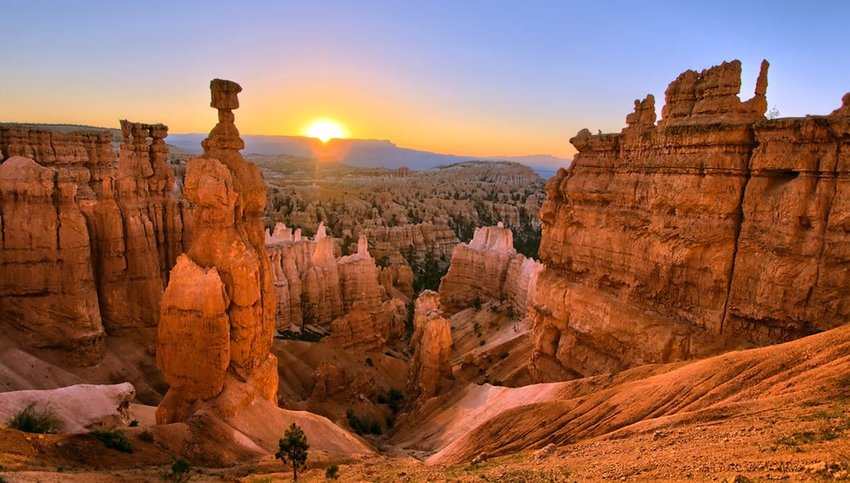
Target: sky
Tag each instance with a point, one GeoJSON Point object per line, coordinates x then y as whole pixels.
{"type": "Point", "coordinates": [467, 77]}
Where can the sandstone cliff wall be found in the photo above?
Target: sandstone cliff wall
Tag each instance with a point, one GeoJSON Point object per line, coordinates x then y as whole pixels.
{"type": "Point", "coordinates": [119, 228]}
{"type": "Point", "coordinates": [488, 268]}
{"type": "Point", "coordinates": [712, 229]}
{"type": "Point", "coordinates": [342, 294]}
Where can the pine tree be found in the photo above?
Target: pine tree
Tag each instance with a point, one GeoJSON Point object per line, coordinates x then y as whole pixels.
{"type": "Point", "coordinates": [293, 448]}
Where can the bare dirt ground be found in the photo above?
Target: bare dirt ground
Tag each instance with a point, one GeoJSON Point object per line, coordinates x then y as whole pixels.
{"type": "Point", "coordinates": [775, 413]}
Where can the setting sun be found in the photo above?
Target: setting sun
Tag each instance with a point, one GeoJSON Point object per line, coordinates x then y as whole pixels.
{"type": "Point", "coordinates": [325, 129]}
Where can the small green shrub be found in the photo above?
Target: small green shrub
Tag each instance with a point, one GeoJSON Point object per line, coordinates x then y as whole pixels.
{"type": "Point", "coordinates": [115, 439]}
{"type": "Point", "coordinates": [476, 302]}
{"type": "Point", "coordinates": [29, 420]}
{"type": "Point", "coordinates": [180, 469]}
{"type": "Point", "coordinates": [363, 425]}
{"type": "Point", "coordinates": [304, 335]}
{"type": "Point", "coordinates": [390, 422]}
{"type": "Point", "coordinates": [392, 398]}
{"type": "Point", "coordinates": [146, 436]}
{"type": "Point", "coordinates": [332, 472]}
{"type": "Point", "coordinates": [134, 423]}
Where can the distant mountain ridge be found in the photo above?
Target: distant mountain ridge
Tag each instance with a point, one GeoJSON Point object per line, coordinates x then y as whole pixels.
{"type": "Point", "coordinates": [359, 153]}
{"type": "Point", "coordinates": [364, 153]}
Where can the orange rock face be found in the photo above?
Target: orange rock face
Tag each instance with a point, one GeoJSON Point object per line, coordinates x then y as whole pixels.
{"type": "Point", "coordinates": [712, 229]}
{"type": "Point", "coordinates": [126, 226]}
{"type": "Point", "coordinates": [430, 366]}
{"type": "Point", "coordinates": [47, 288]}
{"type": "Point", "coordinates": [488, 268]}
{"type": "Point", "coordinates": [344, 294]}
{"type": "Point", "coordinates": [221, 294]}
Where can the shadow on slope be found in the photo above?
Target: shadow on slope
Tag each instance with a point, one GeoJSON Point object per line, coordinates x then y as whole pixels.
{"type": "Point", "coordinates": [486, 421]}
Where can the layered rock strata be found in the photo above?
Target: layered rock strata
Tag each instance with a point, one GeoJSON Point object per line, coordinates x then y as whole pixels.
{"type": "Point", "coordinates": [218, 311]}
{"type": "Point", "coordinates": [343, 294]}
{"type": "Point", "coordinates": [710, 229]}
{"type": "Point", "coordinates": [430, 367]}
{"type": "Point", "coordinates": [488, 268]}
{"type": "Point", "coordinates": [400, 247]}
{"type": "Point", "coordinates": [47, 289]}
{"type": "Point", "coordinates": [116, 232]}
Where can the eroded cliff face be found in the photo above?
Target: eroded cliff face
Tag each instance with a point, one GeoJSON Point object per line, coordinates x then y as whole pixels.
{"type": "Point", "coordinates": [220, 296]}
{"type": "Point", "coordinates": [342, 294]}
{"type": "Point", "coordinates": [117, 228]}
{"type": "Point", "coordinates": [430, 367]}
{"type": "Point", "coordinates": [712, 229]}
{"type": "Point", "coordinates": [47, 288]}
{"type": "Point", "coordinates": [401, 247]}
{"type": "Point", "coordinates": [488, 268]}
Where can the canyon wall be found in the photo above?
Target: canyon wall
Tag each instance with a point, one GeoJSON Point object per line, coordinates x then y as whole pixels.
{"type": "Point", "coordinates": [342, 294]}
{"type": "Point", "coordinates": [218, 310]}
{"type": "Point", "coordinates": [711, 229]}
{"type": "Point", "coordinates": [86, 245]}
{"type": "Point", "coordinates": [488, 268]}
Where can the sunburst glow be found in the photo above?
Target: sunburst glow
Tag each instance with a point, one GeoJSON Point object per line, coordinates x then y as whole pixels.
{"type": "Point", "coordinates": [324, 130]}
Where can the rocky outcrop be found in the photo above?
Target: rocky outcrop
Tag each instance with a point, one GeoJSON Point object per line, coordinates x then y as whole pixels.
{"type": "Point", "coordinates": [371, 318]}
{"type": "Point", "coordinates": [139, 234]}
{"type": "Point", "coordinates": [399, 247]}
{"type": "Point", "coordinates": [488, 268]}
{"type": "Point", "coordinates": [119, 229]}
{"type": "Point", "coordinates": [306, 278]}
{"type": "Point", "coordinates": [80, 409]}
{"type": "Point", "coordinates": [217, 313]}
{"type": "Point", "coordinates": [430, 367]}
{"type": "Point", "coordinates": [47, 289]}
{"type": "Point", "coordinates": [711, 229]}
{"type": "Point", "coordinates": [343, 295]}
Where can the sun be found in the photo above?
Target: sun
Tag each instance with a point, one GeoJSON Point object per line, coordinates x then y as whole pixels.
{"type": "Point", "coordinates": [325, 129]}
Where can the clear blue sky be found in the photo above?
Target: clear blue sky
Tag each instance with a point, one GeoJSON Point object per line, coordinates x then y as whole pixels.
{"type": "Point", "coordinates": [469, 77]}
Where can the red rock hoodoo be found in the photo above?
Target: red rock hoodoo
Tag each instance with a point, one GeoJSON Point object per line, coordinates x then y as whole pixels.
{"type": "Point", "coordinates": [217, 313]}
{"type": "Point", "coordinates": [343, 295]}
{"type": "Point", "coordinates": [712, 229]}
{"type": "Point", "coordinates": [430, 367]}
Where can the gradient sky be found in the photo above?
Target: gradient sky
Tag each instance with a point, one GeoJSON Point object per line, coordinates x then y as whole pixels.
{"type": "Point", "coordinates": [463, 77]}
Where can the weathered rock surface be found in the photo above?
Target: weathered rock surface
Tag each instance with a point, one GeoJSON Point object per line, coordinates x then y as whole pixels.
{"type": "Point", "coordinates": [217, 314]}
{"type": "Point", "coordinates": [119, 231]}
{"type": "Point", "coordinates": [47, 289]}
{"type": "Point", "coordinates": [711, 230]}
{"type": "Point", "coordinates": [399, 247]}
{"type": "Point", "coordinates": [488, 268]}
{"type": "Point", "coordinates": [81, 408]}
{"type": "Point", "coordinates": [341, 294]}
{"type": "Point", "coordinates": [430, 367]}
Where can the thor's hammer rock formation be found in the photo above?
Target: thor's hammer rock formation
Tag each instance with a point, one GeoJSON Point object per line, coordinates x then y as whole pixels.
{"type": "Point", "coordinates": [217, 313]}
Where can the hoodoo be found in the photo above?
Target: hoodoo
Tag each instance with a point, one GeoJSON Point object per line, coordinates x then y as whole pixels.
{"type": "Point", "coordinates": [430, 367]}
{"type": "Point", "coordinates": [217, 316]}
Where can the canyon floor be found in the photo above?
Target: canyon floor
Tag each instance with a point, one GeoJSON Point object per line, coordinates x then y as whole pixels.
{"type": "Point", "coordinates": [780, 412]}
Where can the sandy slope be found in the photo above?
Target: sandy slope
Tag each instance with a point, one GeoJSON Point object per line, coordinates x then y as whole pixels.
{"type": "Point", "coordinates": [496, 421]}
